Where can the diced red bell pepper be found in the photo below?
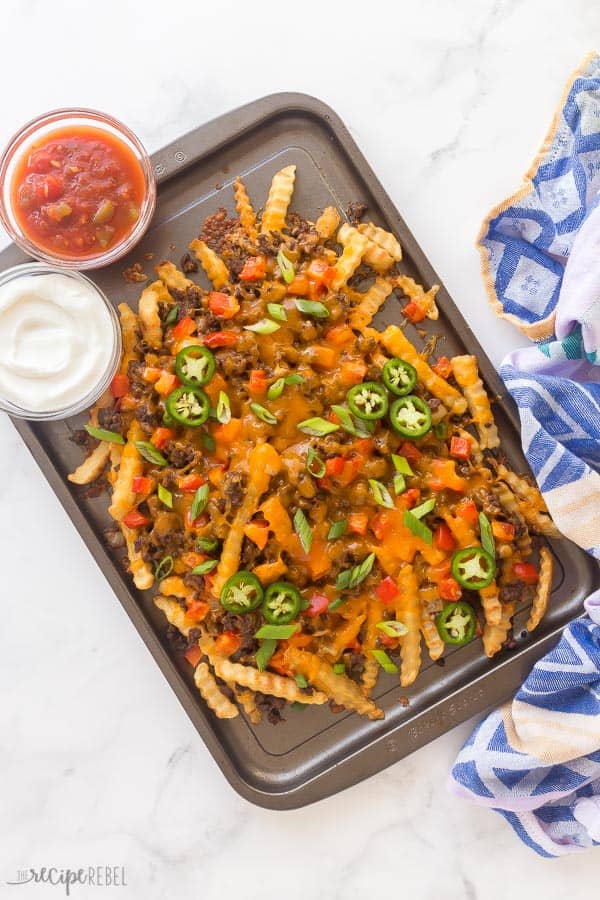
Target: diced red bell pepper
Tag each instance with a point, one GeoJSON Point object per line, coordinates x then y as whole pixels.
{"type": "Point", "coordinates": [387, 590]}
{"type": "Point", "coordinates": [193, 655]}
{"type": "Point", "coordinates": [197, 609]}
{"type": "Point", "coordinates": [321, 272]}
{"type": "Point", "coordinates": [443, 537]}
{"type": "Point", "coordinates": [409, 451]}
{"type": "Point", "coordinates": [318, 605]}
{"type": "Point", "coordinates": [227, 643]}
{"type": "Point", "coordinates": [255, 268]}
{"type": "Point", "coordinates": [257, 383]}
{"type": "Point", "coordinates": [364, 446]}
{"type": "Point", "coordinates": [334, 466]}
{"type": "Point", "coordinates": [380, 526]}
{"type": "Point", "coordinates": [135, 519]}
{"type": "Point", "coordinates": [503, 531]}
{"type": "Point", "coordinates": [413, 312]}
{"type": "Point", "coordinates": [151, 374]}
{"type": "Point", "coordinates": [161, 437]}
{"type": "Point", "coordinates": [197, 523]}
{"type": "Point", "coordinates": [184, 328]}
{"type": "Point", "coordinates": [167, 383]}
{"type": "Point", "coordinates": [189, 484]}
{"type": "Point", "coordinates": [411, 497]}
{"type": "Point", "coordinates": [439, 571]}
{"type": "Point", "coordinates": [467, 510]}
{"type": "Point", "coordinates": [141, 484]}
{"type": "Point", "coordinates": [223, 305]}
{"type": "Point", "coordinates": [358, 522]}
{"type": "Point", "coordinates": [119, 386]}
{"type": "Point", "coordinates": [460, 448]}
{"type": "Point", "coordinates": [526, 572]}
{"type": "Point", "coordinates": [299, 287]}
{"type": "Point", "coordinates": [443, 367]}
{"type": "Point", "coordinates": [387, 641]}
{"type": "Point", "coordinates": [316, 289]}
{"type": "Point", "coordinates": [450, 589]}
{"type": "Point", "coordinates": [220, 339]}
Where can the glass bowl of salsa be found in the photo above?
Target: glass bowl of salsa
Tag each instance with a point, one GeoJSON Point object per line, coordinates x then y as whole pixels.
{"type": "Point", "coordinates": [76, 189]}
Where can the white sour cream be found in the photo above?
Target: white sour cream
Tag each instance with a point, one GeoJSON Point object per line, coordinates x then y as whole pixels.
{"type": "Point", "coordinates": [57, 340]}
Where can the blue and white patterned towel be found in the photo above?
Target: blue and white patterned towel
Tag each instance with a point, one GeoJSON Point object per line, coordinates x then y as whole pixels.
{"type": "Point", "coordinates": [537, 759]}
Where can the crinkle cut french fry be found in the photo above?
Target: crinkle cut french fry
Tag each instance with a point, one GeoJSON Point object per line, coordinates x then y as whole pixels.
{"type": "Point", "coordinates": [92, 466]}
{"type": "Point", "coordinates": [339, 688]}
{"type": "Point", "coordinates": [397, 344]}
{"type": "Point", "coordinates": [221, 705]}
{"type": "Point", "coordinates": [374, 254]}
{"type": "Point", "coordinates": [490, 602]}
{"type": "Point", "coordinates": [174, 586]}
{"type": "Point", "coordinates": [371, 669]}
{"type": "Point", "coordinates": [116, 452]}
{"type": "Point", "coordinates": [174, 613]}
{"type": "Point", "coordinates": [385, 239]}
{"type": "Point", "coordinates": [148, 312]}
{"type": "Point", "coordinates": [509, 503]}
{"type": "Point", "coordinates": [132, 465]}
{"type": "Point", "coordinates": [263, 463]}
{"type": "Point", "coordinates": [466, 373]}
{"type": "Point", "coordinates": [213, 265]}
{"type": "Point", "coordinates": [431, 635]}
{"type": "Point", "coordinates": [172, 277]}
{"type": "Point", "coordinates": [425, 300]}
{"type": "Point", "coordinates": [374, 298]}
{"type": "Point", "coordinates": [244, 208]}
{"type": "Point", "coordinates": [530, 501]}
{"type": "Point", "coordinates": [327, 223]}
{"type": "Point", "coordinates": [495, 635]}
{"type": "Point", "coordinates": [247, 700]}
{"type": "Point", "coordinates": [139, 568]}
{"type": "Point", "coordinates": [354, 244]}
{"type": "Point", "coordinates": [542, 591]}
{"type": "Point", "coordinates": [129, 335]}
{"type": "Point", "coordinates": [409, 613]}
{"type": "Point", "coordinates": [280, 195]}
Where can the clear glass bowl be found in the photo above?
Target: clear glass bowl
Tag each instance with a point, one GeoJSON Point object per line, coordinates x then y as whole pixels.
{"type": "Point", "coordinates": [43, 126]}
{"type": "Point", "coordinates": [104, 378]}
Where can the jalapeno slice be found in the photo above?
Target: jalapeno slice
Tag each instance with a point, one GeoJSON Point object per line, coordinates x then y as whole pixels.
{"type": "Point", "coordinates": [410, 416]}
{"type": "Point", "coordinates": [195, 365]}
{"type": "Point", "coordinates": [188, 406]}
{"type": "Point", "coordinates": [281, 604]}
{"type": "Point", "coordinates": [474, 568]}
{"type": "Point", "coordinates": [456, 623]}
{"type": "Point", "coordinates": [241, 593]}
{"type": "Point", "coordinates": [399, 376]}
{"type": "Point", "coordinates": [368, 400]}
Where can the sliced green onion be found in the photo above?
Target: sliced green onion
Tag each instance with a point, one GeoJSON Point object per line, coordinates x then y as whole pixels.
{"type": "Point", "coordinates": [286, 267]}
{"type": "Point", "coordinates": [418, 528]}
{"type": "Point", "coordinates": [298, 705]}
{"type": "Point", "coordinates": [223, 408]}
{"type": "Point", "coordinates": [199, 502]}
{"type": "Point", "coordinates": [294, 378]}
{"type": "Point", "coordinates": [357, 427]}
{"type": "Point", "coordinates": [264, 414]}
{"type": "Point", "coordinates": [312, 308]}
{"type": "Point", "coordinates": [338, 529]}
{"type": "Point", "coordinates": [392, 628]}
{"type": "Point", "coordinates": [172, 316]}
{"type": "Point", "coordinates": [207, 566]}
{"type": "Point", "coordinates": [149, 452]}
{"type": "Point", "coordinates": [399, 483]}
{"type": "Point", "coordinates": [487, 536]}
{"type": "Point", "coordinates": [277, 311]}
{"type": "Point", "coordinates": [317, 427]}
{"type": "Point", "coordinates": [208, 441]}
{"type": "Point", "coordinates": [167, 564]}
{"type": "Point", "coordinates": [303, 530]}
{"type": "Point", "coordinates": [424, 508]}
{"type": "Point", "coordinates": [351, 578]}
{"type": "Point", "coordinates": [335, 604]}
{"type": "Point", "coordinates": [264, 654]}
{"type": "Point", "coordinates": [264, 326]}
{"type": "Point", "coordinates": [102, 434]}
{"type": "Point", "coordinates": [165, 496]}
{"type": "Point", "coordinates": [440, 430]}
{"type": "Point", "coordinates": [385, 662]}
{"type": "Point", "coordinates": [208, 544]}
{"type": "Point", "coordinates": [314, 464]}
{"type": "Point", "coordinates": [301, 681]}
{"type": "Point", "coordinates": [277, 632]}
{"type": "Point", "coordinates": [381, 495]}
{"type": "Point", "coordinates": [339, 669]}
{"type": "Point", "coordinates": [276, 389]}
{"type": "Point", "coordinates": [401, 465]}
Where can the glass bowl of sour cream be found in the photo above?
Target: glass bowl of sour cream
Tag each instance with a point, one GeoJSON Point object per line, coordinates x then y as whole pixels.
{"type": "Point", "coordinates": [60, 342]}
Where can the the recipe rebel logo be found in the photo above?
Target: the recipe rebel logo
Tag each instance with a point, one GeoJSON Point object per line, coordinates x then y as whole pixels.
{"type": "Point", "coordinates": [90, 876]}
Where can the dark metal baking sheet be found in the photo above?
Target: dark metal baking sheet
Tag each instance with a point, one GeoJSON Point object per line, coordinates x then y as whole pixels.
{"type": "Point", "coordinates": [315, 753]}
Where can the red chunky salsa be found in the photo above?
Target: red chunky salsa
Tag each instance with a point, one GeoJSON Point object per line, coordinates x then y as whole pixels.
{"type": "Point", "coordinates": [78, 191]}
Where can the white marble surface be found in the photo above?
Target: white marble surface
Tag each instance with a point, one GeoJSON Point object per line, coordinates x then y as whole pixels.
{"type": "Point", "coordinates": [98, 762]}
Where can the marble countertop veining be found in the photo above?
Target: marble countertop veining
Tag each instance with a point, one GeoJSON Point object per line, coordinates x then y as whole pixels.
{"type": "Point", "coordinates": [99, 763]}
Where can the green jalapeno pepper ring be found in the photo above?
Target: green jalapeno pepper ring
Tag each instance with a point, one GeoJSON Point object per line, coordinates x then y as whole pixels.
{"type": "Point", "coordinates": [410, 416]}
{"type": "Point", "coordinates": [281, 604]}
{"type": "Point", "coordinates": [241, 593]}
{"type": "Point", "coordinates": [473, 567]}
{"type": "Point", "coordinates": [399, 376]}
{"type": "Point", "coordinates": [195, 365]}
{"type": "Point", "coordinates": [188, 406]}
{"type": "Point", "coordinates": [368, 400]}
{"type": "Point", "coordinates": [456, 623]}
